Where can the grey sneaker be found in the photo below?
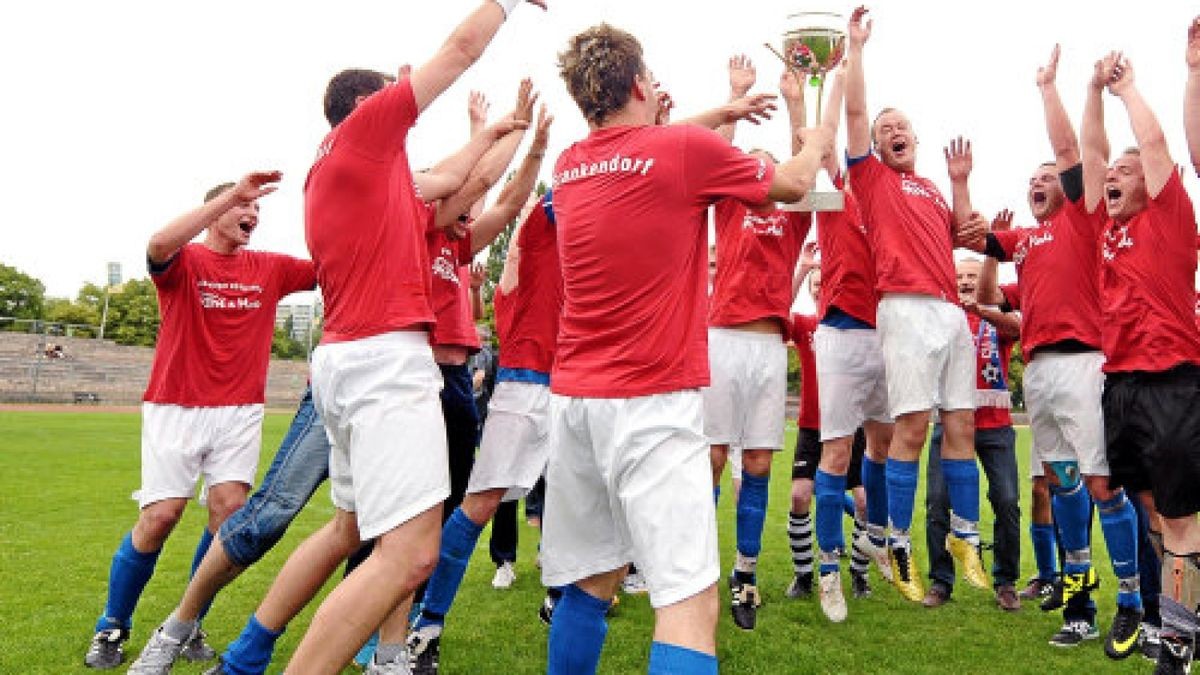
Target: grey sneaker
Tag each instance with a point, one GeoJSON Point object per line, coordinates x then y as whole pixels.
{"type": "Point", "coordinates": [196, 648]}
{"type": "Point", "coordinates": [397, 666]}
{"type": "Point", "coordinates": [107, 649]}
{"type": "Point", "coordinates": [158, 655]}
{"type": "Point", "coordinates": [218, 669]}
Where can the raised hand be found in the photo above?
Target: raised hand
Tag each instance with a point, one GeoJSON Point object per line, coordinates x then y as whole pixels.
{"type": "Point", "coordinates": [742, 75]}
{"type": "Point", "coordinates": [790, 88]}
{"type": "Point", "coordinates": [1102, 72]}
{"type": "Point", "coordinates": [665, 105]}
{"type": "Point", "coordinates": [1121, 79]}
{"type": "Point", "coordinates": [526, 98]}
{"type": "Point", "coordinates": [1047, 73]}
{"type": "Point", "coordinates": [1193, 44]}
{"type": "Point", "coordinates": [478, 275]}
{"type": "Point", "coordinates": [858, 31]}
{"type": "Point", "coordinates": [477, 109]}
{"type": "Point", "coordinates": [1003, 221]}
{"type": "Point", "coordinates": [541, 134]}
{"type": "Point", "coordinates": [753, 109]}
{"type": "Point", "coordinates": [254, 185]}
{"type": "Point", "coordinates": [959, 160]}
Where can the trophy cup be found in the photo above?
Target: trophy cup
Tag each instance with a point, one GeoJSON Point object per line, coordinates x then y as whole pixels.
{"type": "Point", "coordinates": [811, 50]}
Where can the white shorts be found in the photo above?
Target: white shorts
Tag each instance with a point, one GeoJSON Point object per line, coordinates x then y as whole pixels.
{"type": "Point", "coordinates": [630, 480]}
{"type": "Point", "coordinates": [1062, 393]}
{"type": "Point", "coordinates": [747, 401]}
{"type": "Point", "coordinates": [928, 353]}
{"type": "Point", "coordinates": [179, 445]}
{"type": "Point", "coordinates": [516, 440]}
{"type": "Point", "coordinates": [851, 377]}
{"type": "Point", "coordinates": [379, 399]}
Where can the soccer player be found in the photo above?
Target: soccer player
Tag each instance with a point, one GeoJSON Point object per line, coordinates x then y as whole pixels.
{"type": "Point", "coordinates": [203, 407]}
{"type": "Point", "coordinates": [374, 372]}
{"type": "Point", "coordinates": [745, 404]}
{"type": "Point", "coordinates": [630, 476]}
{"type": "Point", "coordinates": [927, 348]}
{"type": "Point", "coordinates": [1059, 298]}
{"type": "Point", "coordinates": [995, 333]}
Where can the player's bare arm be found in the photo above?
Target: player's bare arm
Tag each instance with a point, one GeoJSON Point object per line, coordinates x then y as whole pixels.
{"type": "Point", "coordinates": [448, 176]}
{"type": "Point", "coordinates": [166, 242]}
{"type": "Point", "coordinates": [791, 90]}
{"type": "Point", "coordinates": [1156, 156]}
{"type": "Point", "coordinates": [1191, 97]}
{"type": "Point", "coordinates": [987, 289]}
{"type": "Point", "coordinates": [753, 109]}
{"type": "Point", "coordinates": [959, 161]}
{"type": "Point", "coordinates": [516, 192]}
{"type": "Point", "coordinates": [1093, 138]}
{"type": "Point", "coordinates": [858, 123]}
{"type": "Point", "coordinates": [804, 266]}
{"type": "Point", "coordinates": [795, 177]}
{"type": "Point", "coordinates": [1063, 141]}
{"type": "Point", "coordinates": [461, 50]}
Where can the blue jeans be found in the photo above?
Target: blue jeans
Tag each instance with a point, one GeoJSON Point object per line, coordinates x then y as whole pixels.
{"type": "Point", "coordinates": [996, 449]}
{"type": "Point", "coordinates": [300, 466]}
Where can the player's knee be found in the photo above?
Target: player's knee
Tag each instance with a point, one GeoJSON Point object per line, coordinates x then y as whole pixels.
{"type": "Point", "coordinates": [157, 520]}
{"type": "Point", "coordinates": [223, 504]}
{"type": "Point", "coordinates": [757, 462]}
{"type": "Point", "coordinates": [481, 507]}
{"type": "Point", "coordinates": [802, 492]}
{"type": "Point", "coordinates": [1097, 487]}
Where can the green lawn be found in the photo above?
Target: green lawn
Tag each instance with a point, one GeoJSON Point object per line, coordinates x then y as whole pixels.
{"type": "Point", "coordinates": [65, 481]}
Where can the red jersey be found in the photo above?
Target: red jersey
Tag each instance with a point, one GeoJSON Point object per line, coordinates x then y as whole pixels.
{"type": "Point", "coordinates": [1058, 275]}
{"type": "Point", "coordinates": [847, 266]}
{"type": "Point", "coordinates": [364, 223]}
{"type": "Point", "coordinates": [910, 229]}
{"type": "Point", "coordinates": [1147, 286]}
{"type": "Point", "coordinates": [451, 279]}
{"type": "Point", "coordinates": [757, 250]}
{"type": "Point", "coordinates": [218, 317]}
{"type": "Point", "coordinates": [803, 326]}
{"type": "Point", "coordinates": [631, 205]}
{"type": "Point", "coordinates": [527, 317]}
{"type": "Point", "coordinates": [993, 402]}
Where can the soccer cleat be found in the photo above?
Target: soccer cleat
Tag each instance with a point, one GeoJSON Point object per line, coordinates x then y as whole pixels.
{"type": "Point", "coordinates": [801, 586]}
{"type": "Point", "coordinates": [546, 609]}
{"type": "Point", "coordinates": [1151, 642]}
{"type": "Point", "coordinates": [218, 669]}
{"type": "Point", "coordinates": [877, 554]}
{"type": "Point", "coordinates": [1123, 635]}
{"type": "Point", "coordinates": [107, 649]}
{"type": "Point", "coordinates": [967, 555]}
{"type": "Point", "coordinates": [904, 573]}
{"type": "Point", "coordinates": [1074, 632]}
{"type": "Point", "coordinates": [1068, 586]}
{"type": "Point", "coordinates": [1175, 657]}
{"type": "Point", "coordinates": [1036, 589]}
{"type": "Point", "coordinates": [158, 655]}
{"type": "Point", "coordinates": [833, 601]}
{"type": "Point", "coordinates": [938, 595]}
{"type": "Point", "coordinates": [860, 584]}
{"type": "Point", "coordinates": [197, 649]}
{"type": "Point", "coordinates": [424, 649]}
{"type": "Point", "coordinates": [1006, 598]}
{"type": "Point", "coordinates": [634, 584]}
{"type": "Point", "coordinates": [505, 576]}
{"type": "Point", "coordinates": [745, 604]}
{"type": "Point", "coordinates": [401, 665]}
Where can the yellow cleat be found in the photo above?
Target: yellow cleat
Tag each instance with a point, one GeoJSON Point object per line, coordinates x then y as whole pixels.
{"type": "Point", "coordinates": [904, 574]}
{"type": "Point", "coordinates": [967, 556]}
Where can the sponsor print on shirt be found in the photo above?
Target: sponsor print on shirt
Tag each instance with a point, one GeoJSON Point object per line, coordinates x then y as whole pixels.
{"type": "Point", "coordinates": [216, 295]}
{"type": "Point", "coordinates": [1032, 241]}
{"type": "Point", "coordinates": [765, 226]}
{"type": "Point", "coordinates": [1116, 239]}
{"type": "Point", "coordinates": [914, 187]}
{"type": "Point", "coordinates": [445, 265]}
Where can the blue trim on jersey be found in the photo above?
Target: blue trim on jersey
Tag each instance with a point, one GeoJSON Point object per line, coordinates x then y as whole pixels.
{"type": "Point", "coordinates": [851, 161]}
{"type": "Point", "coordinates": [836, 318]}
{"type": "Point", "coordinates": [523, 375]}
{"type": "Point", "coordinates": [548, 205]}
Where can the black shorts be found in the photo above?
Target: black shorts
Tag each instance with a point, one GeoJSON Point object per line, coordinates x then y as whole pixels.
{"type": "Point", "coordinates": [1152, 436]}
{"type": "Point", "coordinates": [808, 456]}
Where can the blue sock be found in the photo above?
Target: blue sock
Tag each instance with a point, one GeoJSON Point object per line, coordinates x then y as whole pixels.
{"type": "Point", "coordinates": [901, 492]}
{"type": "Point", "coordinates": [206, 538]}
{"type": "Point", "coordinates": [250, 653]}
{"type": "Point", "coordinates": [716, 495]}
{"type": "Point", "coordinates": [962, 486]}
{"type": "Point", "coordinates": [1044, 550]}
{"type": "Point", "coordinates": [751, 514]}
{"type": "Point", "coordinates": [828, 490]}
{"type": "Point", "coordinates": [848, 505]}
{"type": "Point", "coordinates": [667, 659]}
{"type": "Point", "coordinates": [576, 633]}
{"type": "Point", "coordinates": [459, 536]}
{"type": "Point", "coordinates": [1119, 521]}
{"type": "Point", "coordinates": [874, 480]}
{"type": "Point", "coordinates": [127, 576]}
{"type": "Point", "coordinates": [1072, 511]}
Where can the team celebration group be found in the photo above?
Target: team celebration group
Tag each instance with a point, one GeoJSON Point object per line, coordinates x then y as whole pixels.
{"type": "Point", "coordinates": [629, 377]}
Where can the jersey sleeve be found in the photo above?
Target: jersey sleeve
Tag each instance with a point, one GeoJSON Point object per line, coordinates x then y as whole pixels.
{"type": "Point", "coordinates": [863, 173]}
{"type": "Point", "coordinates": [1012, 295]}
{"type": "Point", "coordinates": [295, 274]}
{"type": "Point", "coordinates": [379, 125]}
{"type": "Point", "coordinates": [169, 273]}
{"type": "Point", "coordinates": [714, 169]}
{"type": "Point", "coordinates": [1176, 210]}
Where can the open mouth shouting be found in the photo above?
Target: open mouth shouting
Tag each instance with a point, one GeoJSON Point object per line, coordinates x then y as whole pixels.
{"type": "Point", "coordinates": [1038, 197]}
{"type": "Point", "coordinates": [247, 225]}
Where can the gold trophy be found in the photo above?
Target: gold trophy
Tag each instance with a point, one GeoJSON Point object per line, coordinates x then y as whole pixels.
{"type": "Point", "coordinates": [811, 50]}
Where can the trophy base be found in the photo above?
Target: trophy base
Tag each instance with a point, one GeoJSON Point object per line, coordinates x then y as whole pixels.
{"type": "Point", "coordinates": [818, 200]}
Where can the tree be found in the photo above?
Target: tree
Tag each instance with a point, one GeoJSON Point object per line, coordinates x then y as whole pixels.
{"type": "Point", "coordinates": [133, 313]}
{"type": "Point", "coordinates": [21, 296]}
{"type": "Point", "coordinates": [80, 320]}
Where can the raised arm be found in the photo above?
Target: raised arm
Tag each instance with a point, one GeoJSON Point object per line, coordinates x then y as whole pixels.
{"type": "Point", "coordinates": [959, 162]}
{"type": "Point", "coordinates": [741, 78]}
{"type": "Point", "coordinates": [804, 267]}
{"type": "Point", "coordinates": [478, 276]}
{"type": "Point", "coordinates": [492, 222]}
{"type": "Point", "coordinates": [858, 124]}
{"type": "Point", "coordinates": [791, 90]}
{"type": "Point", "coordinates": [753, 109]}
{"type": "Point", "coordinates": [1093, 138]}
{"type": "Point", "coordinates": [1191, 96]}
{"type": "Point", "coordinates": [795, 177]}
{"type": "Point", "coordinates": [448, 176]}
{"type": "Point", "coordinates": [1157, 164]}
{"type": "Point", "coordinates": [477, 111]}
{"type": "Point", "coordinates": [987, 289]}
{"type": "Point", "coordinates": [1058, 126]}
{"type": "Point", "coordinates": [166, 242]}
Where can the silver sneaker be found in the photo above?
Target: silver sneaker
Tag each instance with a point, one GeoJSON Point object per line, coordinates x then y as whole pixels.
{"type": "Point", "coordinates": [397, 666]}
{"type": "Point", "coordinates": [877, 554]}
{"type": "Point", "coordinates": [158, 655]}
{"type": "Point", "coordinates": [106, 650]}
{"type": "Point", "coordinates": [833, 600]}
{"type": "Point", "coordinates": [196, 648]}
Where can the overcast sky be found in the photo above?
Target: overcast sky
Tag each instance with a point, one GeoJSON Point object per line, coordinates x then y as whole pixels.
{"type": "Point", "coordinates": [119, 115]}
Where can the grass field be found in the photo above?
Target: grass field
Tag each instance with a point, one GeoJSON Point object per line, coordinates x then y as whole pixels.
{"type": "Point", "coordinates": [65, 481]}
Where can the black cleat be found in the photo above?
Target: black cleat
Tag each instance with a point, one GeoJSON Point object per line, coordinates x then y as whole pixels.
{"type": "Point", "coordinates": [1175, 656]}
{"type": "Point", "coordinates": [424, 651]}
{"type": "Point", "coordinates": [801, 587]}
{"type": "Point", "coordinates": [1123, 637]}
{"type": "Point", "coordinates": [546, 609]}
{"type": "Point", "coordinates": [107, 649]}
{"type": "Point", "coordinates": [860, 584]}
{"type": "Point", "coordinates": [1068, 586]}
{"type": "Point", "coordinates": [744, 606]}
{"type": "Point", "coordinates": [1074, 632]}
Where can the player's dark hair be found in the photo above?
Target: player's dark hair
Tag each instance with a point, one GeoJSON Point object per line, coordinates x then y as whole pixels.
{"type": "Point", "coordinates": [599, 67]}
{"type": "Point", "coordinates": [216, 192]}
{"type": "Point", "coordinates": [345, 88]}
